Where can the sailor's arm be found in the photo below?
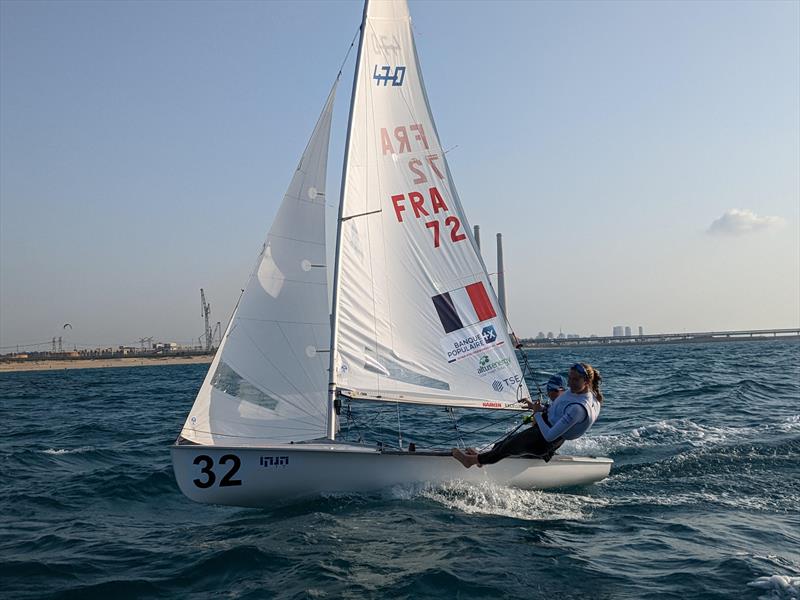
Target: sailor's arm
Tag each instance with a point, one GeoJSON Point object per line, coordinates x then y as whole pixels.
{"type": "Point", "coordinates": [573, 415]}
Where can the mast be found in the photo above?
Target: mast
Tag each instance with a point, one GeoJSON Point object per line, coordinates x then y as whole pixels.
{"type": "Point", "coordinates": [337, 264]}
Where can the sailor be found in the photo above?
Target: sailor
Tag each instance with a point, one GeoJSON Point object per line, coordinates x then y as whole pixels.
{"type": "Point", "coordinates": [569, 416]}
{"type": "Point", "coordinates": [554, 388]}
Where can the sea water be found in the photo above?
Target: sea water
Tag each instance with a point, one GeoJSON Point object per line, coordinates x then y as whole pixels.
{"type": "Point", "coordinates": [703, 500]}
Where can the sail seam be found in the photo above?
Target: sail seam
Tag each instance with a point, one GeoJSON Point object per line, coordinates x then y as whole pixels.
{"type": "Point", "coordinates": [286, 237]}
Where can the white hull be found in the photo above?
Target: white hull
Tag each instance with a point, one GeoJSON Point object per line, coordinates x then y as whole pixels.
{"type": "Point", "coordinates": [256, 476]}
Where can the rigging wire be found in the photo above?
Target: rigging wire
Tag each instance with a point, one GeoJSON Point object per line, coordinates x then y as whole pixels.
{"type": "Point", "coordinates": [347, 55]}
{"type": "Point", "coordinates": [399, 432]}
{"type": "Point", "coordinates": [451, 411]}
{"type": "Point", "coordinates": [479, 429]}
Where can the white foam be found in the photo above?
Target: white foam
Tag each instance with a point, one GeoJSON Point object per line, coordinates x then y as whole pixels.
{"type": "Point", "coordinates": [779, 587]}
{"type": "Point", "coordinates": [61, 451]}
{"type": "Point", "coordinates": [674, 431]}
{"type": "Point", "coordinates": [783, 503]}
{"type": "Point", "coordinates": [492, 499]}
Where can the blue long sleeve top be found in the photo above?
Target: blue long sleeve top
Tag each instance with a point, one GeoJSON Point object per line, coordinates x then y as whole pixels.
{"type": "Point", "coordinates": [569, 416]}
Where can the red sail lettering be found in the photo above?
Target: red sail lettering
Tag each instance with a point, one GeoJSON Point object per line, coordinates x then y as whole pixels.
{"type": "Point", "coordinates": [413, 164]}
{"type": "Point", "coordinates": [417, 201]}
{"type": "Point", "coordinates": [455, 225]}
{"type": "Point", "coordinates": [420, 134]}
{"type": "Point", "coordinates": [401, 135]}
{"type": "Point", "coordinates": [436, 200]}
{"type": "Point", "coordinates": [386, 142]}
{"type": "Point", "coordinates": [435, 226]}
{"type": "Point", "coordinates": [398, 208]}
{"type": "Point", "coordinates": [430, 158]}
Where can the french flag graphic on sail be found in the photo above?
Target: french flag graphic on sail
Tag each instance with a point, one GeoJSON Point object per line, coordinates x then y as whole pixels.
{"type": "Point", "coordinates": [463, 307]}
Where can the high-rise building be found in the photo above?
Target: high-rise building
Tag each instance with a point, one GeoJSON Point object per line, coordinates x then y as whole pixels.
{"type": "Point", "coordinates": [641, 331]}
{"type": "Point", "coordinates": [627, 331]}
{"type": "Point", "coordinates": [618, 331]}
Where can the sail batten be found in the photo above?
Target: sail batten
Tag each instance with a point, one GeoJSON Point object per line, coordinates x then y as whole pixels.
{"type": "Point", "coordinates": [415, 315]}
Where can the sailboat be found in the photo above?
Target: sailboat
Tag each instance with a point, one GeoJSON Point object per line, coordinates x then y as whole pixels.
{"type": "Point", "coordinates": [414, 317]}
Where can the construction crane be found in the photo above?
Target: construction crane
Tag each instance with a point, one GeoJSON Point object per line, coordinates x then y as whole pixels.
{"type": "Point", "coordinates": [217, 334]}
{"type": "Point", "coordinates": [205, 312]}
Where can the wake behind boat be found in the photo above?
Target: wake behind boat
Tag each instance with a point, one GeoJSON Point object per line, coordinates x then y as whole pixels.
{"type": "Point", "coordinates": [414, 317]}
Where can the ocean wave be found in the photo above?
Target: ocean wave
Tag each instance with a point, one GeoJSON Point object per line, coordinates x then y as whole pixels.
{"type": "Point", "coordinates": [778, 587]}
{"type": "Point", "coordinates": [498, 500]}
{"type": "Point", "coordinates": [675, 431]}
{"type": "Point", "coordinates": [61, 451]}
{"type": "Point", "coordinates": [781, 503]}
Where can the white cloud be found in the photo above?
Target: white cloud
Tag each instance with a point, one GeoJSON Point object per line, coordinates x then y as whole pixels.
{"type": "Point", "coordinates": [741, 221]}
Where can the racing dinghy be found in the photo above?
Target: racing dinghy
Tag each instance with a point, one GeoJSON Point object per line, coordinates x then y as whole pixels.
{"type": "Point", "coordinates": [414, 317]}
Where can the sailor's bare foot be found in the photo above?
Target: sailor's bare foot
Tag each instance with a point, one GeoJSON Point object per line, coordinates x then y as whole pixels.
{"type": "Point", "coordinates": [465, 459]}
{"type": "Point", "coordinates": [471, 451]}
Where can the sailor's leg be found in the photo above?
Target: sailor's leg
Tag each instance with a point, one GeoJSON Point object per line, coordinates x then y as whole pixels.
{"type": "Point", "coordinates": [500, 450]}
{"type": "Point", "coordinates": [527, 441]}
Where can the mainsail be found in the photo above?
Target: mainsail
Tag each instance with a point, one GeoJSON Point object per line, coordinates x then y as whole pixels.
{"type": "Point", "coordinates": [415, 316]}
{"type": "Point", "coordinates": [268, 379]}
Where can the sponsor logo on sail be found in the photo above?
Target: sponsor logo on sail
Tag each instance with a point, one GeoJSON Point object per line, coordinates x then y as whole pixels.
{"type": "Point", "coordinates": [497, 386]}
{"type": "Point", "coordinates": [489, 334]}
{"type": "Point", "coordinates": [387, 75]}
{"type": "Point", "coordinates": [468, 341]}
{"type": "Point", "coordinates": [487, 366]}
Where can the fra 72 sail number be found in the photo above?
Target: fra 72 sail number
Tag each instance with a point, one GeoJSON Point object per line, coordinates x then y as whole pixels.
{"type": "Point", "coordinates": [428, 205]}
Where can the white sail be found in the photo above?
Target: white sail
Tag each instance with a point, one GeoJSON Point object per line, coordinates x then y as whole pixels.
{"type": "Point", "coordinates": [415, 317]}
{"type": "Point", "coordinates": [267, 382]}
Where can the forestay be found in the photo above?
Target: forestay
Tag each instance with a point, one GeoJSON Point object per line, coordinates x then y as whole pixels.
{"type": "Point", "coordinates": [267, 382]}
{"type": "Point", "coordinates": [416, 318]}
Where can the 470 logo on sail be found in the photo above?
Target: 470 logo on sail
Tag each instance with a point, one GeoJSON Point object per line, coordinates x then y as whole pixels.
{"type": "Point", "coordinates": [396, 79]}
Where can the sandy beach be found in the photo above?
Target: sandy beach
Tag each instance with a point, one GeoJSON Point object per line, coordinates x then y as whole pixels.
{"type": "Point", "coordinates": [101, 363]}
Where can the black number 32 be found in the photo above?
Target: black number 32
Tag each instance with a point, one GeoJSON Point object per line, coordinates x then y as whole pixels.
{"type": "Point", "coordinates": [207, 470]}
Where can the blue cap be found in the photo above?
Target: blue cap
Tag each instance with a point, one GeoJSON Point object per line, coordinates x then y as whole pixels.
{"type": "Point", "coordinates": [556, 382]}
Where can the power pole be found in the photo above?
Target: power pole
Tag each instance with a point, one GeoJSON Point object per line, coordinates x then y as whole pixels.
{"type": "Point", "coordinates": [205, 309]}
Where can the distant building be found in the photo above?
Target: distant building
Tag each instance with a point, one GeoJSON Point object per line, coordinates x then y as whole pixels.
{"type": "Point", "coordinates": [549, 335]}
{"type": "Point", "coordinates": [540, 335]}
{"type": "Point", "coordinates": [627, 331]}
{"type": "Point", "coordinates": [561, 335]}
{"type": "Point", "coordinates": [618, 331]}
{"type": "Point", "coordinates": [641, 331]}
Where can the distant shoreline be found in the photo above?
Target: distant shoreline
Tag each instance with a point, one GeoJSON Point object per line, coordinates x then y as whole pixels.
{"type": "Point", "coordinates": [634, 343]}
{"type": "Point", "coordinates": [101, 363]}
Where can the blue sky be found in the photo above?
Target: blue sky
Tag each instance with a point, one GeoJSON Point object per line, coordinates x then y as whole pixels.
{"type": "Point", "coordinates": [145, 146]}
